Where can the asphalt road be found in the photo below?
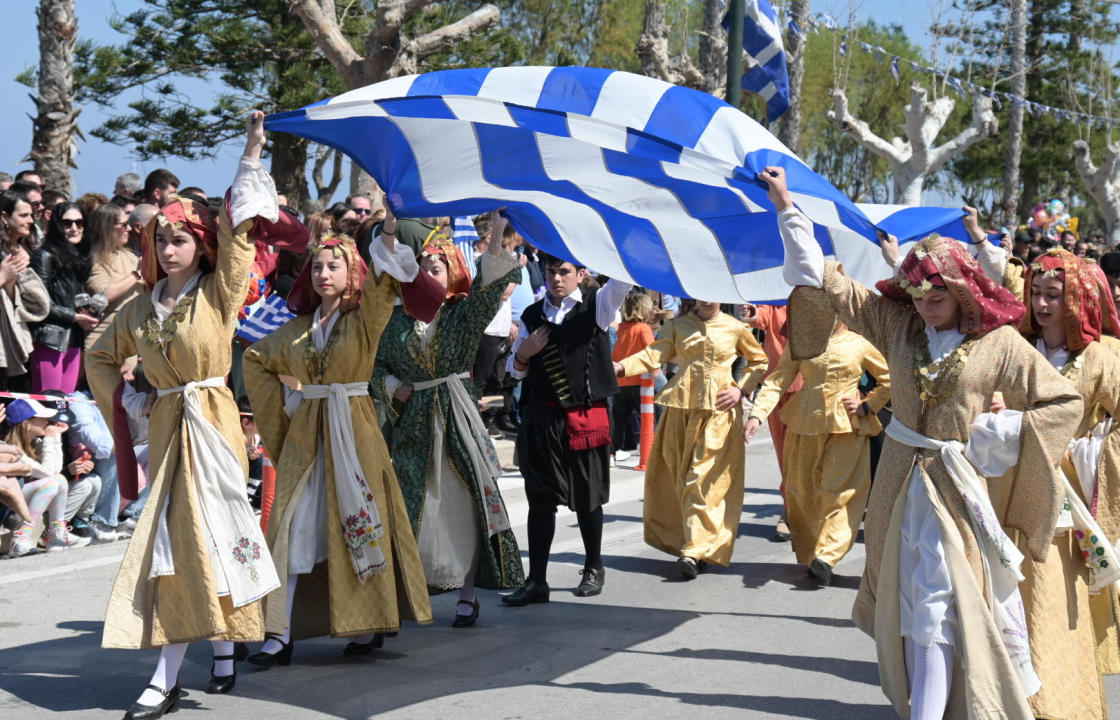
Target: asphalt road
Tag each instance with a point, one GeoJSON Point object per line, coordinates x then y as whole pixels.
{"type": "Point", "coordinates": [755, 640]}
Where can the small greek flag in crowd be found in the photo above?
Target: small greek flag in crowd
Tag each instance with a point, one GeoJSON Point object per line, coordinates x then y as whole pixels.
{"type": "Point", "coordinates": [465, 236]}
{"type": "Point", "coordinates": [269, 316]}
{"type": "Point", "coordinates": [638, 179]}
{"type": "Point", "coordinates": [762, 42]}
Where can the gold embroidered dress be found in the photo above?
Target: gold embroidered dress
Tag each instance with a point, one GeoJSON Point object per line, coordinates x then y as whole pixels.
{"type": "Point", "coordinates": [331, 599]}
{"type": "Point", "coordinates": [827, 451]}
{"type": "Point", "coordinates": [694, 480]}
{"type": "Point", "coordinates": [194, 345]}
{"type": "Point", "coordinates": [941, 404]}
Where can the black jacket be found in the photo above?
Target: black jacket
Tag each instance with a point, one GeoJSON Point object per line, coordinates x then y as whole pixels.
{"type": "Point", "coordinates": [58, 330]}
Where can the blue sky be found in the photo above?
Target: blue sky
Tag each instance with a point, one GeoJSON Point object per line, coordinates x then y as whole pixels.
{"type": "Point", "coordinates": [99, 163]}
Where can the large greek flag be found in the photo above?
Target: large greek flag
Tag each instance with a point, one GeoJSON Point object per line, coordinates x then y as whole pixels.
{"type": "Point", "coordinates": [638, 179]}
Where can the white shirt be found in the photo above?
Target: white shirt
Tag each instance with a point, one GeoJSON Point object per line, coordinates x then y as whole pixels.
{"type": "Point", "coordinates": [607, 303]}
{"type": "Point", "coordinates": [503, 320]}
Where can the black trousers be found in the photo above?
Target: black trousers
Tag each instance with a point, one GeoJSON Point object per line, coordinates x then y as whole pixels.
{"type": "Point", "coordinates": [626, 403]}
{"type": "Point", "coordinates": [490, 371]}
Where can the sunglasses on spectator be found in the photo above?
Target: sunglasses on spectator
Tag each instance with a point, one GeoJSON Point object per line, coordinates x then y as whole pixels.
{"type": "Point", "coordinates": [362, 211]}
{"type": "Point", "coordinates": [66, 222]}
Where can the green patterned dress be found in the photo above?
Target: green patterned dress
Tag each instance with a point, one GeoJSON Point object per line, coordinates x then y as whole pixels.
{"type": "Point", "coordinates": [444, 464]}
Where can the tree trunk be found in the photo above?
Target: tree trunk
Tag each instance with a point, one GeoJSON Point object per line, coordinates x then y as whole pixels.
{"type": "Point", "coordinates": [55, 125]}
{"type": "Point", "coordinates": [1035, 48]}
{"type": "Point", "coordinates": [713, 49]}
{"type": "Point", "coordinates": [653, 51]}
{"type": "Point", "coordinates": [289, 167]}
{"type": "Point", "coordinates": [1010, 206]}
{"type": "Point", "coordinates": [790, 130]}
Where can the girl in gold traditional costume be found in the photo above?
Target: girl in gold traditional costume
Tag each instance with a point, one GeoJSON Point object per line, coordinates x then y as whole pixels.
{"type": "Point", "coordinates": [339, 528]}
{"type": "Point", "coordinates": [828, 446]}
{"type": "Point", "coordinates": [1070, 306]}
{"type": "Point", "coordinates": [197, 564]}
{"type": "Point", "coordinates": [694, 480]}
{"type": "Point", "coordinates": [940, 589]}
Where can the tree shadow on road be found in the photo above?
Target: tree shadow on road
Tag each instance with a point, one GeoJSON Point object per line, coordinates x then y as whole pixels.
{"type": "Point", "coordinates": [813, 708]}
{"type": "Point", "coordinates": [858, 671]}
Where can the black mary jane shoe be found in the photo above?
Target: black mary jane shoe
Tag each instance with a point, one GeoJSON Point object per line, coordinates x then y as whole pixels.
{"type": "Point", "coordinates": [267, 660]}
{"type": "Point", "coordinates": [592, 582]}
{"type": "Point", "coordinates": [223, 684]}
{"type": "Point", "coordinates": [357, 648]}
{"type": "Point", "coordinates": [531, 592]}
{"type": "Point", "coordinates": [462, 621]}
{"type": "Point", "coordinates": [169, 704]}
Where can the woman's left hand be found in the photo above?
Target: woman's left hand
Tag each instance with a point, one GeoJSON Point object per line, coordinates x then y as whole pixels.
{"type": "Point", "coordinates": [728, 398]}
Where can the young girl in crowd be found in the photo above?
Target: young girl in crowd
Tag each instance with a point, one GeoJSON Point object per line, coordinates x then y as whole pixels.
{"type": "Point", "coordinates": [934, 539]}
{"type": "Point", "coordinates": [337, 528]}
{"type": "Point", "coordinates": [45, 491]}
{"type": "Point", "coordinates": [827, 451]}
{"type": "Point", "coordinates": [634, 335]}
{"type": "Point", "coordinates": [694, 480]}
{"type": "Point", "coordinates": [197, 565]}
{"type": "Point", "coordinates": [446, 463]}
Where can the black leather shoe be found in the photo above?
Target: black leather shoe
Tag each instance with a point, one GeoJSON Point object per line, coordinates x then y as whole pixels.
{"type": "Point", "coordinates": [688, 568]}
{"type": "Point", "coordinates": [223, 684]}
{"type": "Point", "coordinates": [267, 660]}
{"type": "Point", "coordinates": [169, 704]}
{"type": "Point", "coordinates": [506, 424]}
{"type": "Point", "coordinates": [592, 582]}
{"type": "Point", "coordinates": [781, 532]}
{"type": "Point", "coordinates": [357, 648]}
{"type": "Point", "coordinates": [462, 621]}
{"type": "Point", "coordinates": [531, 592]}
{"type": "Point", "coordinates": [822, 571]}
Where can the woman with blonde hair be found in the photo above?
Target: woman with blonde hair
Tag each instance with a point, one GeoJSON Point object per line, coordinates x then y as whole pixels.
{"type": "Point", "coordinates": [115, 270]}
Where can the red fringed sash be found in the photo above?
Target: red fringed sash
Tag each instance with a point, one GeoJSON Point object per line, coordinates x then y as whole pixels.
{"type": "Point", "coordinates": [588, 427]}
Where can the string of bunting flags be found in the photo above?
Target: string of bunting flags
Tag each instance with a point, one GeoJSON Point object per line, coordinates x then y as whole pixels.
{"type": "Point", "coordinates": [963, 88]}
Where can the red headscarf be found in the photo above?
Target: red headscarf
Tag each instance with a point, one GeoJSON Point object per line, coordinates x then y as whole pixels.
{"type": "Point", "coordinates": [1085, 293]}
{"type": "Point", "coordinates": [183, 214]}
{"type": "Point", "coordinates": [303, 299]}
{"type": "Point", "coordinates": [458, 276]}
{"type": "Point", "coordinates": [944, 263]}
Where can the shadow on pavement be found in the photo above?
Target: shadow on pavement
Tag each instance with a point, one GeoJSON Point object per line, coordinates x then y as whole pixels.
{"type": "Point", "coordinates": [817, 709]}
{"type": "Point", "coordinates": [859, 671]}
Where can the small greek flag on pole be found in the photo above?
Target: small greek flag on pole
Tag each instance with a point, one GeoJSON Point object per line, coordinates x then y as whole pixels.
{"type": "Point", "coordinates": [465, 236]}
{"type": "Point", "coordinates": [762, 43]}
{"type": "Point", "coordinates": [269, 316]}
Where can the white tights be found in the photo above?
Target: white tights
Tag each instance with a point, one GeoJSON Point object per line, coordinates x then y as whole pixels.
{"type": "Point", "coordinates": [275, 644]}
{"type": "Point", "coordinates": [930, 670]}
{"type": "Point", "coordinates": [171, 659]}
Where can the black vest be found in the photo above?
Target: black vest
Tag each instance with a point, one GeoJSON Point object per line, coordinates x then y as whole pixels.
{"type": "Point", "coordinates": [575, 368]}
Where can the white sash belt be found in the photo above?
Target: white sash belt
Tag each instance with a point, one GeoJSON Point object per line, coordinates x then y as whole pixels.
{"type": "Point", "coordinates": [1001, 558]}
{"type": "Point", "coordinates": [357, 509]}
{"type": "Point", "coordinates": [484, 459]}
{"type": "Point", "coordinates": [239, 556]}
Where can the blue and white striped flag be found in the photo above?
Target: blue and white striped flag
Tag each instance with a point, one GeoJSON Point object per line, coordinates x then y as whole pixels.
{"type": "Point", "coordinates": [464, 235]}
{"type": "Point", "coordinates": [639, 179]}
{"type": "Point", "coordinates": [768, 76]}
{"type": "Point", "coordinates": [268, 317]}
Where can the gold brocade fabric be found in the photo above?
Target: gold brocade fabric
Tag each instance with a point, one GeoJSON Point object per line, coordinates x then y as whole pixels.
{"type": "Point", "coordinates": [705, 351]}
{"type": "Point", "coordinates": [694, 484]}
{"type": "Point", "coordinates": [827, 481]}
{"type": "Point", "coordinates": [999, 360]}
{"type": "Point", "coordinates": [183, 607]}
{"type": "Point", "coordinates": [828, 378]}
{"type": "Point", "coordinates": [331, 600]}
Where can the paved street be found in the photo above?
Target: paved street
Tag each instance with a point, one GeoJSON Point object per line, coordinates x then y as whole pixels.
{"type": "Point", "coordinates": [756, 640]}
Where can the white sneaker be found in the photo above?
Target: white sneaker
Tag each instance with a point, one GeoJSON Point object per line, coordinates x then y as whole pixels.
{"type": "Point", "coordinates": [19, 549]}
{"type": "Point", "coordinates": [57, 542]}
{"type": "Point", "coordinates": [102, 533]}
{"type": "Point", "coordinates": [127, 525]}
{"type": "Point", "coordinates": [621, 455]}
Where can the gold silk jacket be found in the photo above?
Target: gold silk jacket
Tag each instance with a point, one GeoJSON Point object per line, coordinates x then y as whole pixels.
{"type": "Point", "coordinates": [705, 351]}
{"type": "Point", "coordinates": [830, 377]}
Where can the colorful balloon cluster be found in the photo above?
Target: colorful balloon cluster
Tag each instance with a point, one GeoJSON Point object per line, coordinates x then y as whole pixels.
{"type": "Point", "coordinates": [1052, 219]}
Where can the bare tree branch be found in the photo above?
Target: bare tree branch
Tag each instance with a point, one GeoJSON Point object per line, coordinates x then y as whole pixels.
{"type": "Point", "coordinates": [321, 20]}
{"type": "Point", "coordinates": [653, 51]}
{"type": "Point", "coordinates": [1102, 183]}
{"type": "Point", "coordinates": [414, 50]}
